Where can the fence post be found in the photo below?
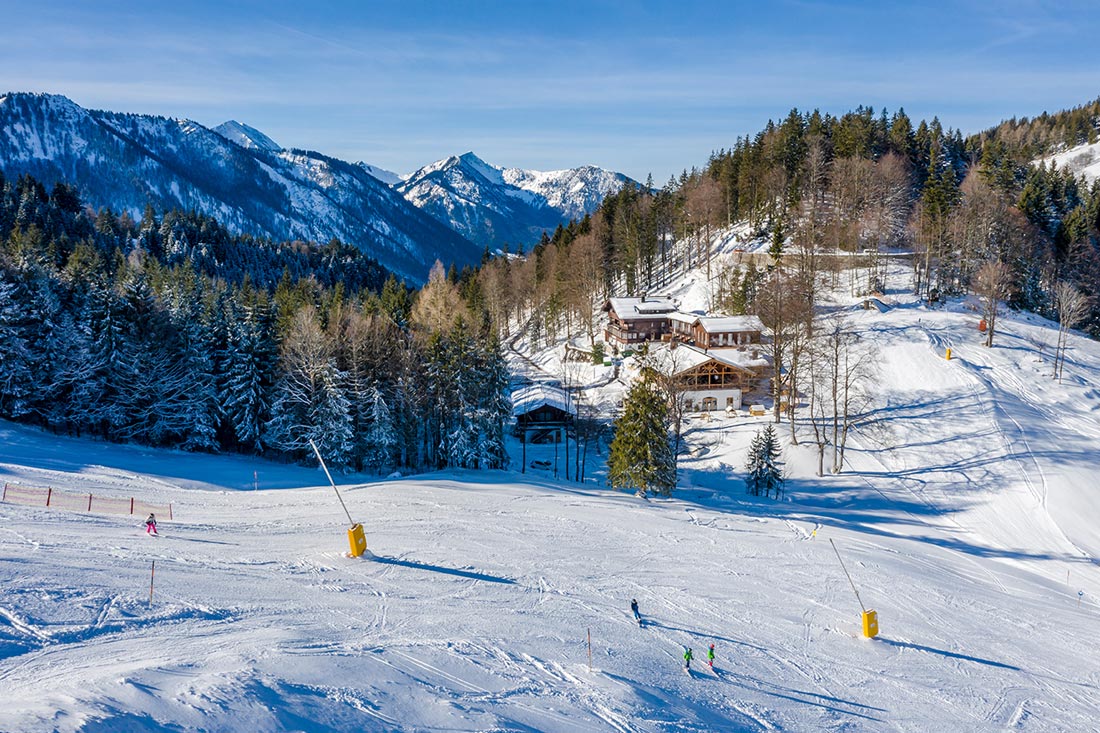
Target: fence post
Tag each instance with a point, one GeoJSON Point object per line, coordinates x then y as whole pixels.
{"type": "Point", "coordinates": [6, 498]}
{"type": "Point", "coordinates": [169, 511]}
{"type": "Point", "coordinates": [131, 505]}
{"type": "Point", "coordinates": [89, 502]}
{"type": "Point", "coordinates": [49, 494]}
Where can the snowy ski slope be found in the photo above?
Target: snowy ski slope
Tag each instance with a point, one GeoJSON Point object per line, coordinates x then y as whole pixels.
{"type": "Point", "coordinates": [966, 507]}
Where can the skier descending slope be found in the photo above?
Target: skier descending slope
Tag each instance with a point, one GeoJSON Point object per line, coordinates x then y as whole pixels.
{"type": "Point", "coordinates": [151, 525]}
{"type": "Point", "coordinates": [710, 656]}
{"type": "Point", "coordinates": [688, 656]}
{"type": "Point", "coordinates": [634, 610]}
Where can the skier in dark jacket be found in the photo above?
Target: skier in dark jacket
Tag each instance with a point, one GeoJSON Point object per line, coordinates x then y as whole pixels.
{"type": "Point", "coordinates": [151, 524]}
{"type": "Point", "coordinates": [634, 610]}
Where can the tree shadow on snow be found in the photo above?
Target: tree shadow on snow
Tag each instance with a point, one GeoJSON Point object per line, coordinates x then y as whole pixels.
{"type": "Point", "coordinates": [848, 505]}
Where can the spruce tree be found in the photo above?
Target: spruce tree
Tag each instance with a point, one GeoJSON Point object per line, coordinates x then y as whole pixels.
{"type": "Point", "coordinates": [640, 457]}
{"type": "Point", "coordinates": [765, 469]}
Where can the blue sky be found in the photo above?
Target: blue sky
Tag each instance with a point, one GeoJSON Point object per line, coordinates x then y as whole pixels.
{"type": "Point", "coordinates": [636, 87]}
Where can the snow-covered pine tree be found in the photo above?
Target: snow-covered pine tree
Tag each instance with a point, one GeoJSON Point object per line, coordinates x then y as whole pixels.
{"type": "Point", "coordinates": [462, 421]}
{"type": "Point", "coordinates": [310, 399]}
{"type": "Point", "coordinates": [765, 469]}
{"type": "Point", "coordinates": [249, 369]}
{"type": "Point", "coordinates": [496, 407]}
{"type": "Point", "coordinates": [200, 347]}
{"type": "Point", "coordinates": [15, 356]}
{"type": "Point", "coordinates": [381, 437]}
{"type": "Point", "coordinates": [640, 457]}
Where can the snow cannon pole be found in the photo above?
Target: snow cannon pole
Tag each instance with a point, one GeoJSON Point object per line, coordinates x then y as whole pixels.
{"type": "Point", "coordinates": [869, 617]}
{"type": "Point", "coordinates": [357, 541]}
{"type": "Point", "coordinates": [838, 557]}
{"type": "Point", "coordinates": [333, 483]}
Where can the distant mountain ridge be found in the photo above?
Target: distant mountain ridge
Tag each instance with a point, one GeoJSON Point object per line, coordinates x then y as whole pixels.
{"type": "Point", "coordinates": [235, 173]}
{"type": "Point", "coordinates": [449, 210]}
{"type": "Point", "coordinates": [506, 205]}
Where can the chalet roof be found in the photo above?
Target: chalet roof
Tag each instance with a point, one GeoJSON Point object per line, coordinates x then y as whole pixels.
{"type": "Point", "coordinates": [688, 318]}
{"type": "Point", "coordinates": [731, 324]}
{"type": "Point", "coordinates": [629, 309]}
{"type": "Point", "coordinates": [684, 358]}
{"type": "Point", "coordinates": [532, 397]}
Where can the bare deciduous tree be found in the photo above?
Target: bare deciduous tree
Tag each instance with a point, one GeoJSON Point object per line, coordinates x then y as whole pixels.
{"type": "Point", "coordinates": [703, 207]}
{"type": "Point", "coordinates": [784, 308]}
{"type": "Point", "coordinates": [583, 280]}
{"type": "Point", "coordinates": [1073, 306]}
{"type": "Point", "coordinates": [439, 304]}
{"type": "Point", "coordinates": [838, 366]}
{"type": "Point", "coordinates": [993, 283]}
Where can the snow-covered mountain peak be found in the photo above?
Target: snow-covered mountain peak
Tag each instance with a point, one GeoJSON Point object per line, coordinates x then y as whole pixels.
{"type": "Point", "coordinates": [493, 205]}
{"type": "Point", "coordinates": [385, 176]}
{"type": "Point", "coordinates": [246, 136]}
{"type": "Point", "coordinates": [488, 172]}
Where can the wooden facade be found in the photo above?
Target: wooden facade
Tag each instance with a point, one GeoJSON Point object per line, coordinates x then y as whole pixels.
{"type": "Point", "coordinates": [715, 374]}
{"type": "Point", "coordinates": [635, 321]}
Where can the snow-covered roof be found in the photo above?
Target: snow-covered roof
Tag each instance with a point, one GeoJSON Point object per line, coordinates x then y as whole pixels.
{"type": "Point", "coordinates": [634, 308]}
{"type": "Point", "coordinates": [532, 397]}
{"type": "Point", "coordinates": [730, 324]}
{"type": "Point", "coordinates": [669, 359]}
{"type": "Point", "coordinates": [688, 318]}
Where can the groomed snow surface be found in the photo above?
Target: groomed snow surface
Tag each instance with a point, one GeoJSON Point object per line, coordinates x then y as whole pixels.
{"type": "Point", "coordinates": [967, 501]}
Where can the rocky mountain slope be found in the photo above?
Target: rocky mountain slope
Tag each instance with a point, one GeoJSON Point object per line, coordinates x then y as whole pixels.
{"type": "Point", "coordinates": [498, 206]}
{"type": "Point", "coordinates": [234, 173]}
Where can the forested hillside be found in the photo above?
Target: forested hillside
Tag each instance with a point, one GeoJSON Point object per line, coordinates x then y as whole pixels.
{"type": "Point", "coordinates": [172, 332]}
{"type": "Point", "coordinates": [813, 184]}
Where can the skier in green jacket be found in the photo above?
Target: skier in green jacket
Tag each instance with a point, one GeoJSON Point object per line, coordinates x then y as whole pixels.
{"type": "Point", "coordinates": [687, 659]}
{"type": "Point", "coordinates": [710, 656]}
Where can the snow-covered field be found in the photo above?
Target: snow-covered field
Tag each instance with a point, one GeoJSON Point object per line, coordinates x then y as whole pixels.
{"type": "Point", "coordinates": [968, 517]}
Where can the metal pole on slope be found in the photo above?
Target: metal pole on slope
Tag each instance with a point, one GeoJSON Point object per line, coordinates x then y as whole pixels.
{"type": "Point", "coordinates": [333, 483]}
{"type": "Point", "coordinates": [862, 608]}
{"type": "Point", "coordinates": [357, 540]}
{"type": "Point", "coordinates": [152, 573]}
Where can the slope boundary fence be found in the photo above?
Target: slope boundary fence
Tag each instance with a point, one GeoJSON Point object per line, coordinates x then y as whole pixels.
{"type": "Point", "coordinates": [74, 502]}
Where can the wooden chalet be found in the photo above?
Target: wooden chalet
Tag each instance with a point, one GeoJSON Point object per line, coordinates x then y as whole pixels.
{"type": "Point", "coordinates": [709, 380]}
{"type": "Point", "coordinates": [634, 321]}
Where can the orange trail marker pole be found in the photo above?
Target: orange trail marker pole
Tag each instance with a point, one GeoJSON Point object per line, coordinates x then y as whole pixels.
{"type": "Point", "coordinates": [152, 572]}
